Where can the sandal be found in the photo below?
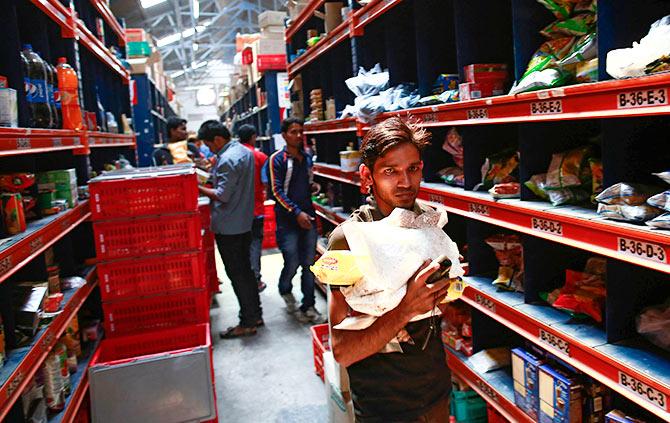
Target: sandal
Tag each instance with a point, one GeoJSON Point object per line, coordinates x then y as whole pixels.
{"type": "Point", "coordinates": [237, 332]}
{"type": "Point", "coordinates": [261, 286]}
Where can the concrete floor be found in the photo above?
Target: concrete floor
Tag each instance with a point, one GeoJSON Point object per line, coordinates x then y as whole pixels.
{"type": "Point", "coordinates": [267, 378]}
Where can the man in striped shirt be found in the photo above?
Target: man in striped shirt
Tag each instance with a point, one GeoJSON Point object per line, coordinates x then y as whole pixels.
{"type": "Point", "coordinates": [290, 171]}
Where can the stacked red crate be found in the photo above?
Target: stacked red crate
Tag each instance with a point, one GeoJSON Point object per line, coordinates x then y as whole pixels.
{"type": "Point", "coordinates": [269, 226]}
{"type": "Point", "coordinates": [152, 241]}
{"type": "Point", "coordinates": [208, 247]}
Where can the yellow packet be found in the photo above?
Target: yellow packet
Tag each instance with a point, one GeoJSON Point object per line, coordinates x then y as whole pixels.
{"type": "Point", "coordinates": [337, 267]}
{"type": "Point", "coordinates": [455, 291]}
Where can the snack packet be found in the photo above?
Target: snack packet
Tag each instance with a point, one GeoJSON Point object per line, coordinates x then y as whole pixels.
{"type": "Point", "coordinates": [565, 169]}
{"type": "Point", "coordinates": [654, 324]}
{"type": "Point", "coordinates": [575, 26]}
{"type": "Point", "coordinates": [596, 166]}
{"type": "Point", "coordinates": [625, 193]}
{"type": "Point", "coordinates": [663, 175]}
{"type": "Point", "coordinates": [337, 267]}
{"type": "Point", "coordinates": [661, 201]}
{"type": "Point", "coordinates": [587, 71]}
{"type": "Point", "coordinates": [583, 293]}
{"type": "Point", "coordinates": [586, 6]}
{"type": "Point", "coordinates": [498, 169]}
{"type": "Point", "coordinates": [453, 176]}
{"type": "Point", "coordinates": [549, 54]}
{"type": "Point", "coordinates": [661, 222]}
{"type": "Point", "coordinates": [536, 184]}
{"type": "Point", "coordinates": [562, 9]}
{"type": "Point", "coordinates": [585, 48]}
{"type": "Point", "coordinates": [541, 80]}
{"type": "Point", "coordinates": [453, 144]}
{"type": "Point", "coordinates": [509, 252]}
{"type": "Point", "coordinates": [560, 197]}
{"type": "Point", "coordinates": [637, 214]}
{"type": "Point", "coordinates": [508, 190]}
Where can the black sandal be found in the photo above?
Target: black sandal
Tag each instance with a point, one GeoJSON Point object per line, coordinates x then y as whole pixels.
{"type": "Point", "coordinates": [237, 332]}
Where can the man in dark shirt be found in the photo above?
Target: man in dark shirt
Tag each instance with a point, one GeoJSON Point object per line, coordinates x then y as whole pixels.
{"type": "Point", "coordinates": [412, 385]}
{"type": "Point", "coordinates": [290, 172]}
{"type": "Point", "coordinates": [176, 132]}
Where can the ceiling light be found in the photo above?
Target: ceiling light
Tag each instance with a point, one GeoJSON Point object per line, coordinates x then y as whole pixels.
{"type": "Point", "coordinates": [173, 38]}
{"type": "Point", "coordinates": [196, 9]}
{"type": "Point", "coordinates": [195, 65]}
{"type": "Point", "coordinates": [196, 46]}
{"type": "Point", "coordinates": [161, 42]}
{"type": "Point", "coordinates": [150, 3]}
{"type": "Point", "coordinates": [177, 74]}
{"type": "Point", "coordinates": [205, 96]}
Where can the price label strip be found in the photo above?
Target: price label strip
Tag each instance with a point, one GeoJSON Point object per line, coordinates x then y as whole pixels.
{"type": "Point", "coordinates": [477, 114]}
{"type": "Point", "coordinates": [485, 302]}
{"type": "Point", "coordinates": [547, 226]}
{"type": "Point", "coordinates": [642, 98]}
{"type": "Point", "coordinates": [555, 342]}
{"type": "Point", "coordinates": [640, 249]}
{"type": "Point", "coordinates": [643, 391]}
{"type": "Point", "coordinates": [487, 390]}
{"type": "Point", "coordinates": [481, 209]}
{"type": "Point", "coordinates": [549, 107]}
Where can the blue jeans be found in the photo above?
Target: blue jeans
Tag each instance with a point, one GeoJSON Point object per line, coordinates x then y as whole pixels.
{"type": "Point", "coordinates": [298, 247]}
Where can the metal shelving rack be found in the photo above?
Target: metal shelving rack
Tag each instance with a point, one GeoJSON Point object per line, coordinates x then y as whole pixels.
{"type": "Point", "coordinates": [416, 41]}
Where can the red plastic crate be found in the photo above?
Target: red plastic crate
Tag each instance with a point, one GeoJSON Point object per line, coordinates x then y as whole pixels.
{"type": "Point", "coordinates": [205, 215]}
{"type": "Point", "coordinates": [152, 195]}
{"type": "Point", "coordinates": [154, 342]}
{"type": "Point", "coordinates": [320, 345]}
{"type": "Point", "coordinates": [124, 279]}
{"type": "Point", "coordinates": [208, 240]}
{"type": "Point", "coordinates": [159, 312]}
{"type": "Point", "coordinates": [147, 236]}
{"type": "Point", "coordinates": [494, 416]}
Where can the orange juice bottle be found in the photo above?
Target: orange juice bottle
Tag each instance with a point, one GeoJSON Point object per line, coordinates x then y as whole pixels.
{"type": "Point", "coordinates": [68, 85]}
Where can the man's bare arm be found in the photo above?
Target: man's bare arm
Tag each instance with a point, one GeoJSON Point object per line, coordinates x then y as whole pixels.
{"type": "Point", "coordinates": [351, 346]}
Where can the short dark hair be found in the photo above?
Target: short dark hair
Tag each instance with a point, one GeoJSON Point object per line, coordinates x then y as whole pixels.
{"type": "Point", "coordinates": [246, 132]}
{"type": "Point", "coordinates": [388, 134]}
{"type": "Point", "coordinates": [286, 123]}
{"type": "Point", "coordinates": [175, 122]}
{"type": "Point", "coordinates": [212, 128]}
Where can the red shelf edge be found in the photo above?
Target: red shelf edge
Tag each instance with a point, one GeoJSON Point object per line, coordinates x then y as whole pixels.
{"type": "Point", "coordinates": [306, 13]}
{"type": "Point", "coordinates": [109, 17]}
{"type": "Point", "coordinates": [374, 10]}
{"type": "Point", "coordinates": [17, 382]}
{"type": "Point", "coordinates": [16, 256]}
{"type": "Point", "coordinates": [500, 403]}
{"type": "Point", "coordinates": [53, 8]}
{"type": "Point", "coordinates": [327, 214]}
{"type": "Point", "coordinates": [492, 308]}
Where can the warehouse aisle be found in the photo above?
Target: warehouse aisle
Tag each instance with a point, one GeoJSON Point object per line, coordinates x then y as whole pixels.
{"type": "Point", "coordinates": [268, 378]}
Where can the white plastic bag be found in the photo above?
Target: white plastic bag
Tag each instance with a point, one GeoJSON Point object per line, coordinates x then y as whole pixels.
{"type": "Point", "coordinates": [370, 82]}
{"type": "Point", "coordinates": [654, 324]}
{"type": "Point", "coordinates": [396, 247]}
{"type": "Point", "coordinates": [630, 62]}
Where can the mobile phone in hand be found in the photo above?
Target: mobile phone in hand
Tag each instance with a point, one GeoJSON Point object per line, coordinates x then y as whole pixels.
{"type": "Point", "coordinates": [442, 272]}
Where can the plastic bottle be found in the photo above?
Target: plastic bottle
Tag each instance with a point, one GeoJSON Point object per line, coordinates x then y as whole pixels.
{"type": "Point", "coordinates": [52, 85]}
{"type": "Point", "coordinates": [68, 84]}
{"type": "Point", "coordinates": [36, 88]}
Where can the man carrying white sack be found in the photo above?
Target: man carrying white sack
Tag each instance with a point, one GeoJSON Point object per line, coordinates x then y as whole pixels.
{"type": "Point", "coordinates": [396, 365]}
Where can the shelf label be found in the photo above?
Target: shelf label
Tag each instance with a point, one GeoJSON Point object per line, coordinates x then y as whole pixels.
{"type": "Point", "coordinates": [485, 302]}
{"type": "Point", "coordinates": [547, 226]}
{"type": "Point", "coordinates": [23, 143]}
{"type": "Point", "coordinates": [549, 107]}
{"type": "Point", "coordinates": [15, 383]}
{"type": "Point", "coordinates": [476, 114]}
{"type": "Point", "coordinates": [642, 98]}
{"type": "Point", "coordinates": [487, 390]}
{"type": "Point", "coordinates": [645, 392]}
{"type": "Point", "coordinates": [5, 264]}
{"type": "Point", "coordinates": [645, 250]}
{"type": "Point", "coordinates": [479, 209]}
{"type": "Point", "coordinates": [555, 342]}
{"type": "Point", "coordinates": [429, 118]}
{"type": "Point", "coordinates": [57, 142]}
{"type": "Point", "coordinates": [36, 244]}
{"type": "Point", "coordinates": [436, 198]}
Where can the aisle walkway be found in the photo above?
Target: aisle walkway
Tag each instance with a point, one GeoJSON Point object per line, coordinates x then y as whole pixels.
{"type": "Point", "coordinates": [268, 378]}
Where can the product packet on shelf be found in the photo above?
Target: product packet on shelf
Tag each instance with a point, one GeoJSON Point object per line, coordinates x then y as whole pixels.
{"type": "Point", "coordinates": [562, 9]}
{"type": "Point", "coordinates": [500, 168]}
{"type": "Point", "coordinates": [654, 324]}
{"type": "Point", "coordinates": [509, 252]}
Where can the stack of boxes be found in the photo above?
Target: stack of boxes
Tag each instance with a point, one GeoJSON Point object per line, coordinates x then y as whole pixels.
{"type": "Point", "coordinates": [483, 80]}
{"type": "Point", "coordinates": [271, 47]}
{"type": "Point", "coordinates": [151, 263]}
{"type": "Point", "coordinates": [62, 183]}
{"type": "Point", "coordinates": [316, 104]}
{"type": "Point", "coordinates": [145, 59]}
{"type": "Point", "coordinates": [549, 392]}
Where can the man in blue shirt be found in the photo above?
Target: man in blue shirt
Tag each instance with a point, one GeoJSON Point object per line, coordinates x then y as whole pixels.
{"type": "Point", "coordinates": [232, 216]}
{"type": "Point", "coordinates": [290, 172]}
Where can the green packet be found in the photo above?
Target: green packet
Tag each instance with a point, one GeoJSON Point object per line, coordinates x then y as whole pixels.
{"type": "Point", "coordinates": [562, 9]}
{"type": "Point", "coordinates": [576, 26]}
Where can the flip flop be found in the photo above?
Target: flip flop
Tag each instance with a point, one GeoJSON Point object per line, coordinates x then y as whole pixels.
{"type": "Point", "coordinates": [237, 332]}
{"type": "Point", "coordinates": [262, 286]}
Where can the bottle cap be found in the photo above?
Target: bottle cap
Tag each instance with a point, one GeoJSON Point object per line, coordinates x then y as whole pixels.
{"type": "Point", "coordinates": [62, 60]}
{"type": "Point", "coordinates": [28, 47]}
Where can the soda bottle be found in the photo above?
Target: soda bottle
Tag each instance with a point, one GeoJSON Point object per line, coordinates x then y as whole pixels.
{"type": "Point", "coordinates": [57, 102]}
{"type": "Point", "coordinates": [37, 90]}
{"type": "Point", "coordinates": [68, 84]}
{"type": "Point", "coordinates": [51, 86]}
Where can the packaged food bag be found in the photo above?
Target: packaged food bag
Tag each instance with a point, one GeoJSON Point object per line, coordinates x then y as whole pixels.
{"type": "Point", "coordinates": [565, 169]}
{"type": "Point", "coordinates": [537, 185]}
{"type": "Point", "coordinates": [393, 249]}
{"type": "Point", "coordinates": [583, 293]}
{"type": "Point", "coordinates": [509, 252]}
{"type": "Point", "coordinates": [660, 222]}
{"type": "Point", "coordinates": [665, 176]}
{"type": "Point", "coordinates": [654, 324]}
{"type": "Point", "coordinates": [661, 201]}
{"type": "Point", "coordinates": [625, 193]}
{"type": "Point", "coordinates": [637, 214]}
{"type": "Point", "coordinates": [499, 169]}
{"type": "Point", "coordinates": [337, 267]}
{"type": "Point", "coordinates": [562, 9]}
{"type": "Point", "coordinates": [577, 25]}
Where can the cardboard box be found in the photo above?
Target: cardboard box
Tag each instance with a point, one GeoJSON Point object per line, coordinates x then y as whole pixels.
{"type": "Point", "coordinates": [63, 181]}
{"type": "Point", "coordinates": [139, 49]}
{"type": "Point", "coordinates": [295, 7]}
{"type": "Point", "coordinates": [273, 32]}
{"type": "Point", "coordinates": [481, 72]}
{"type": "Point", "coordinates": [560, 396]}
{"type": "Point", "coordinates": [270, 47]}
{"type": "Point", "coordinates": [476, 90]}
{"type": "Point", "coordinates": [333, 15]}
{"type": "Point", "coordinates": [243, 40]}
{"type": "Point", "coordinates": [135, 35]}
{"type": "Point", "coordinates": [525, 367]}
{"type": "Point", "coordinates": [338, 395]}
{"type": "Point", "coordinates": [9, 112]}
{"type": "Point", "coordinates": [271, 18]}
